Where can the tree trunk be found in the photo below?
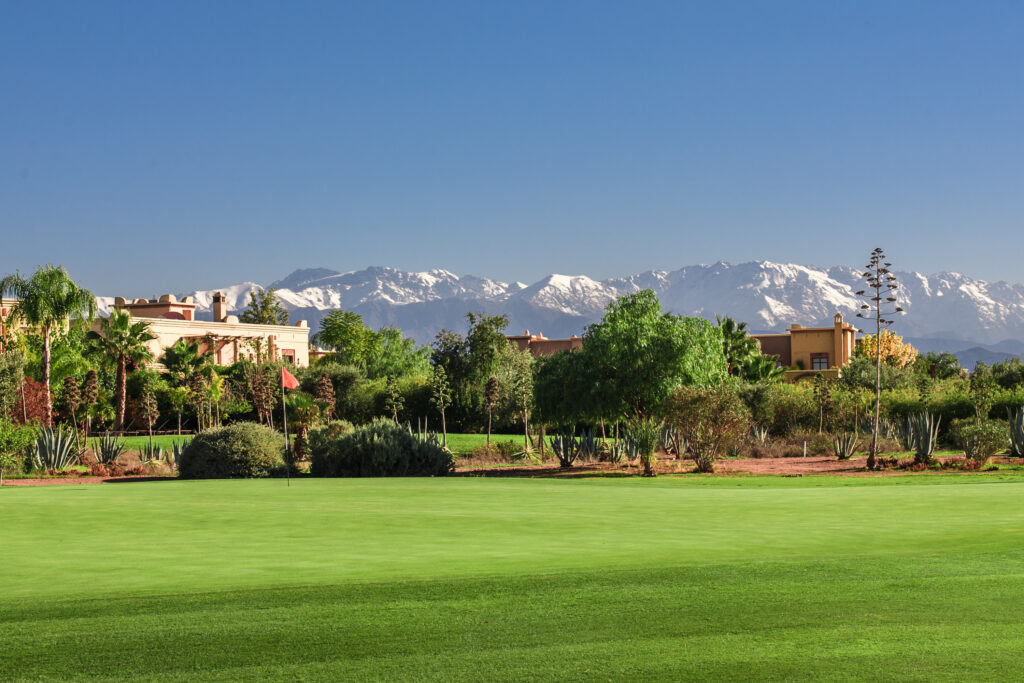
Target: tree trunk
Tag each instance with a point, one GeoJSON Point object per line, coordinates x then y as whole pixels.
{"type": "Point", "coordinates": [444, 431]}
{"type": "Point", "coordinates": [488, 429]}
{"type": "Point", "coordinates": [47, 396]}
{"type": "Point", "coordinates": [179, 423]}
{"type": "Point", "coordinates": [873, 455]}
{"type": "Point", "coordinates": [526, 431]}
{"type": "Point", "coordinates": [122, 389]}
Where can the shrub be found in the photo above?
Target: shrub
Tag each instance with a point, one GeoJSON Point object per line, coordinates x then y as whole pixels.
{"type": "Point", "coordinates": [13, 442]}
{"type": "Point", "coordinates": [981, 439]}
{"type": "Point", "coordinates": [710, 420]}
{"type": "Point", "coordinates": [240, 450]}
{"type": "Point", "coordinates": [378, 449]}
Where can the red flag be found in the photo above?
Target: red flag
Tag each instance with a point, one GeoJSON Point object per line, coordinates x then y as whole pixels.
{"type": "Point", "coordinates": [288, 380]}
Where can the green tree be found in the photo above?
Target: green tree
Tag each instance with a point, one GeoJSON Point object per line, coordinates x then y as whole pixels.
{"type": "Point", "coordinates": [491, 396]}
{"type": "Point", "coordinates": [178, 397]}
{"type": "Point", "coordinates": [759, 368]}
{"type": "Point", "coordinates": [441, 396]}
{"type": "Point", "coordinates": [389, 354]}
{"type": "Point", "coordinates": [943, 365]}
{"type": "Point", "coordinates": [264, 308]}
{"type": "Point", "coordinates": [515, 380]}
{"type": "Point", "coordinates": [638, 356]}
{"type": "Point", "coordinates": [344, 333]}
{"type": "Point", "coordinates": [148, 410]}
{"type": "Point", "coordinates": [393, 400]}
{"type": "Point", "coordinates": [47, 302]}
{"type": "Point", "coordinates": [126, 343]}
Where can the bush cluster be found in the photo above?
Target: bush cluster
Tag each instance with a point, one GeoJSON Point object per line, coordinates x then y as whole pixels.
{"type": "Point", "coordinates": [379, 448]}
{"type": "Point", "coordinates": [981, 439]}
{"type": "Point", "coordinates": [240, 450]}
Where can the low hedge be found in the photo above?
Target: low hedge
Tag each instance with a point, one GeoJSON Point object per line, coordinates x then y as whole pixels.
{"type": "Point", "coordinates": [378, 449]}
{"type": "Point", "coordinates": [238, 451]}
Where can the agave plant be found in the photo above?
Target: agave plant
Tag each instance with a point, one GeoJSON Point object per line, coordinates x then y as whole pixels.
{"type": "Point", "coordinates": [925, 428]}
{"type": "Point", "coordinates": [424, 435]}
{"type": "Point", "coordinates": [107, 449]}
{"type": "Point", "coordinates": [588, 445]}
{"type": "Point", "coordinates": [566, 446]}
{"type": "Point", "coordinates": [845, 444]}
{"type": "Point", "coordinates": [1016, 419]}
{"type": "Point", "coordinates": [672, 441]}
{"type": "Point", "coordinates": [151, 453]}
{"type": "Point", "coordinates": [759, 435]}
{"type": "Point", "coordinates": [645, 434]}
{"type": "Point", "coordinates": [173, 456]}
{"type": "Point", "coordinates": [905, 435]}
{"type": "Point", "coordinates": [53, 449]}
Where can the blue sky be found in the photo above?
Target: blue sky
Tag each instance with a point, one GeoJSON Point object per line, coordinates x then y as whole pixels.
{"type": "Point", "coordinates": [170, 146]}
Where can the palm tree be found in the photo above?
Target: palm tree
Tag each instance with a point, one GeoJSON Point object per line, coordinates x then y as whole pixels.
{"type": "Point", "coordinates": [183, 360]}
{"type": "Point", "coordinates": [47, 301]}
{"type": "Point", "coordinates": [125, 342]}
{"type": "Point", "coordinates": [737, 344]}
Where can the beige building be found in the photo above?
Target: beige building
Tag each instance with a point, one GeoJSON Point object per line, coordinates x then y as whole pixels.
{"type": "Point", "coordinates": [5, 312]}
{"type": "Point", "coordinates": [811, 350]}
{"type": "Point", "coordinates": [539, 345]}
{"type": "Point", "coordinates": [225, 338]}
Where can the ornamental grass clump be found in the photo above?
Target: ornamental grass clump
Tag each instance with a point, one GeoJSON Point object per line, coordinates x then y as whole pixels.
{"type": "Point", "coordinates": [237, 451]}
{"type": "Point", "coordinates": [378, 449]}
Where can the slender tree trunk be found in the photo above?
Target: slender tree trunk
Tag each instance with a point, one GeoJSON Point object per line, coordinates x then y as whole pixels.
{"type": "Point", "coordinates": [122, 389]}
{"type": "Point", "coordinates": [179, 423]}
{"type": "Point", "coordinates": [488, 428]}
{"type": "Point", "coordinates": [444, 431]}
{"type": "Point", "coordinates": [24, 403]}
{"type": "Point", "coordinates": [47, 395]}
{"type": "Point", "coordinates": [873, 455]}
{"type": "Point", "coordinates": [526, 431]}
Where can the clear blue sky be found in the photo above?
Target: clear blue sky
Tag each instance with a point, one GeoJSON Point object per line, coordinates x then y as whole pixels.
{"type": "Point", "coordinates": [170, 146]}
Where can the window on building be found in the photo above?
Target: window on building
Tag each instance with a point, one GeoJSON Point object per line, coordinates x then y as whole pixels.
{"type": "Point", "coordinates": [819, 361]}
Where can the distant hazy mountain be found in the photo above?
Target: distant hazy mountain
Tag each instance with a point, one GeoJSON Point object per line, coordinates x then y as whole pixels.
{"type": "Point", "coordinates": [949, 310]}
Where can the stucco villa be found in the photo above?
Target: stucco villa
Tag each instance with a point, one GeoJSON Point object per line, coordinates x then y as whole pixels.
{"type": "Point", "coordinates": [812, 350]}
{"type": "Point", "coordinates": [539, 345]}
{"type": "Point", "coordinates": [5, 311]}
{"type": "Point", "coordinates": [225, 337]}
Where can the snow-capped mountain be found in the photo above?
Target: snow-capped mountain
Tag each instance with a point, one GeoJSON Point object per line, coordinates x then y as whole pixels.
{"type": "Point", "coordinates": [768, 296]}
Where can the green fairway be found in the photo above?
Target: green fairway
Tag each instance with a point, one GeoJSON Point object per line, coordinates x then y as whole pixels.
{"type": "Point", "coordinates": [515, 578]}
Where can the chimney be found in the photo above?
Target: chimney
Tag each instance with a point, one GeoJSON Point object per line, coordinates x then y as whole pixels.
{"type": "Point", "coordinates": [220, 307]}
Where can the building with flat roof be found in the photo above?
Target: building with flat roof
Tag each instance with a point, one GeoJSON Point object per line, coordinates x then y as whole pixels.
{"type": "Point", "coordinates": [539, 345]}
{"type": "Point", "coordinates": [811, 350]}
{"type": "Point", "coordinates": [225, 337]}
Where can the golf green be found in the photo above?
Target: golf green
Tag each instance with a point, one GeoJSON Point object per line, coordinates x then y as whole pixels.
{"type": "Point", "coordinates": [475, 578]}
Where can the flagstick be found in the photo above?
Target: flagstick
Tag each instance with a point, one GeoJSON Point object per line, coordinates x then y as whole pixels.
{"type": "Point", "coordinates": [287, 446]}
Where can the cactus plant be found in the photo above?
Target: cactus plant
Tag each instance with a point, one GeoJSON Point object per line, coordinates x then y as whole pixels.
{"type": "Point", "coordinates": [1016, 418]}
{"type": "Point", "coordinates": [107, 449]}
{"type": "Point", "coordinates": [925, 430]}
{"type": "Point", "coordinates": [905, 435]}
{"type": "Point", "coordinates": [151, 453]}
{"type": "Point", "coordinates": [759, 435]}
{"type": "Point", "coordinates": [588, 445]}
{"type": "Point", "coordinates": [53, 449]}
{"type": "Point", "coordinates": [844, 444]}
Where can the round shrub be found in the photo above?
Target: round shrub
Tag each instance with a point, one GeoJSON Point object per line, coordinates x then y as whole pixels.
{"type": "Point", "coordinates": [240, 450]}
{"type": "Point", "coordinates": [981, 439]}
{"type": "Point", "coordinates": [378, 449]}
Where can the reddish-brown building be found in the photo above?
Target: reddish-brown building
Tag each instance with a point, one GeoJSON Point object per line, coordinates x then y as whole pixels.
{"type": "Point", "coordinates": [539, 345]}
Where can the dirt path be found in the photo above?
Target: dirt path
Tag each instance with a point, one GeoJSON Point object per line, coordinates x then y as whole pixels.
{"type": "Point", "coordinates": [64, 481]}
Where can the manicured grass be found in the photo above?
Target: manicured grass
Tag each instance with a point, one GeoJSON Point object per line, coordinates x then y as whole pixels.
{"type": "Point", "coordinates": [670, 578]}
{"type": "Point", "coordinates": [135, 443]}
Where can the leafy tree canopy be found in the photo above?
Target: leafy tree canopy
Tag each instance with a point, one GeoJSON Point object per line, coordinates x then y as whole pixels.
{"type": "Point", "coordinates": [264, 308]}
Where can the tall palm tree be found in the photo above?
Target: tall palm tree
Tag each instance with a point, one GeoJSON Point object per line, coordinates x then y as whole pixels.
{"type": "Point", "coordinates": [47, 301]}
{"type": "Point", "coordinates": [737, 344]}
{"type": "Point", "coordinates": [125, 342]}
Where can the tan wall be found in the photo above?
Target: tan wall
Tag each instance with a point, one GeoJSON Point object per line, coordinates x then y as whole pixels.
{"type": "Point", "coordinates": [229, 338]}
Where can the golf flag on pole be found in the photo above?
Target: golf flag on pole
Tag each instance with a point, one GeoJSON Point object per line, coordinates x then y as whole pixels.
{"type": "Point", "coordinates": [288, 380]}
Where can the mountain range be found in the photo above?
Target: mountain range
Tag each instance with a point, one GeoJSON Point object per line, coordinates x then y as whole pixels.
{"type": "Point", "coordinates": [944, 311]}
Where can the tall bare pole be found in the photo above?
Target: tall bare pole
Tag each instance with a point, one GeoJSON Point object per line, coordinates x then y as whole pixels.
{"type": "Point", "coordinates": [880, 293]}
